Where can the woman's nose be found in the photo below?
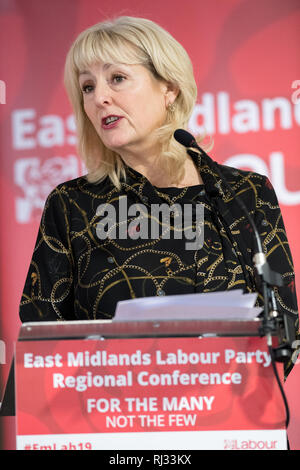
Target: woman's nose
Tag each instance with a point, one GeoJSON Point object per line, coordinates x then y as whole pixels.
{"type": "Point", "coordinates": [103, 95]}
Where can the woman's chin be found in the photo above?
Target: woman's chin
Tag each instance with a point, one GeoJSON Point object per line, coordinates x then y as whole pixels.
{"type": "Point", "coordinates": [115, 143]}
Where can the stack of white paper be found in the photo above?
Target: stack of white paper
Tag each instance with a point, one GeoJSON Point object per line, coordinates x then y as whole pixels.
{"type": "Point", "coordinates": [225, 305]}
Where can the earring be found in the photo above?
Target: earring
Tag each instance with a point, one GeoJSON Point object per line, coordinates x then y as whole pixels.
{"type": "Point", "coordinates": [171, 107]}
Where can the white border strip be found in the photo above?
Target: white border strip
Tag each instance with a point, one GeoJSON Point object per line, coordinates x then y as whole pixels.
{"type": "Point", "coordinates": [188, 440]}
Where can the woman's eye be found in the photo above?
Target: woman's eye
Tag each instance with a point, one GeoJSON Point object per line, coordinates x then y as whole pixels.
{"type": "Point", "coordinates": [117, 78]}
{"type": "Point", "coordinates": [87, 88]}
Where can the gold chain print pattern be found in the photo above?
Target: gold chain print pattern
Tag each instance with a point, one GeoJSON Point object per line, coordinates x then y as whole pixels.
{"type": "Point", "coordinates": [76, 275]}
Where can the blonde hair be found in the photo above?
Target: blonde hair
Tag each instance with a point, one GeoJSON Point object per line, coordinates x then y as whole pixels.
{"type": "Point", "coordinates": [131, 41]}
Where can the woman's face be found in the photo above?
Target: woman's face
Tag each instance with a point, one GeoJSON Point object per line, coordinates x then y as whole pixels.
{"type": "Point", "coordinates": [125, 104]}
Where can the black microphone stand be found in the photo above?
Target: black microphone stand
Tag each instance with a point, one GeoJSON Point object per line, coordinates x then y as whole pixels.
{"type": "Point", "coordinates": [266, 278]}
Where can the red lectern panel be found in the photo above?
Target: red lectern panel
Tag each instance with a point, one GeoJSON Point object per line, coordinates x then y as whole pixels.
{"type": "Point", "coordinates": [148, 393]}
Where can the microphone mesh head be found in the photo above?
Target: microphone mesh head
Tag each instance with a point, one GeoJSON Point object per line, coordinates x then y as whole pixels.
{"type": "Point", "coordinates": [184, 137]}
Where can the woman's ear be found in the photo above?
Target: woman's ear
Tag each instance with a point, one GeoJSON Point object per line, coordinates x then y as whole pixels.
{"type": "Point", "coordinates": [171, 93]}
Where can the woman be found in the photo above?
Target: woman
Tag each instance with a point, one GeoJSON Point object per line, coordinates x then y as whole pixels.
{"type": "Point", "coordinates": [131, 86]}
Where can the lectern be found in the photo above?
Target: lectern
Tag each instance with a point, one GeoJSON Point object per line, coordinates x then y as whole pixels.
{"type": "Point", "coordinates": [146, 385]}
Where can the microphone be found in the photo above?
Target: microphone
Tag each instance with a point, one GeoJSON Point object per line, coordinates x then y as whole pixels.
{"type": "Point", "coordinates": [186, 139]}
{"type": "Point", "coordinates": [266, 278]}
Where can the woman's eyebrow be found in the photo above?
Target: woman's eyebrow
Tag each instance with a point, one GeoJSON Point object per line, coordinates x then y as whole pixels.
{"type": "Point", "coordinates": [84, 72]}
{"type": "Point", "coordinates": [87, 72]}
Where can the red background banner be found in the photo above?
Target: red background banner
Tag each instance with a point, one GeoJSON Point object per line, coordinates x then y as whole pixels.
{"type": "Point", "coordinates": [247, 67]}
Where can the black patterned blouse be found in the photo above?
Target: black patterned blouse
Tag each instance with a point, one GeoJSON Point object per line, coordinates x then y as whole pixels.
{"type": "Point", "coordinates": [76, 273]}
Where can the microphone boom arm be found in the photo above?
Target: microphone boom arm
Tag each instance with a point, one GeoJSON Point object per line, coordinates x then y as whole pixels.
{"type": "Point", "coordinates": [266, 278]}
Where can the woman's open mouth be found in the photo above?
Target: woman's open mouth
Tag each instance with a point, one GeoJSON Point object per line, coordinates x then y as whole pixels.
{"type": "Point", "coordinates": [110, 121]}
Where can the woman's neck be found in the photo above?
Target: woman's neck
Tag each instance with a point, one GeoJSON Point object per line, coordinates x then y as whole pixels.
{"type": "Point", "coordinates": [152, 170]}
